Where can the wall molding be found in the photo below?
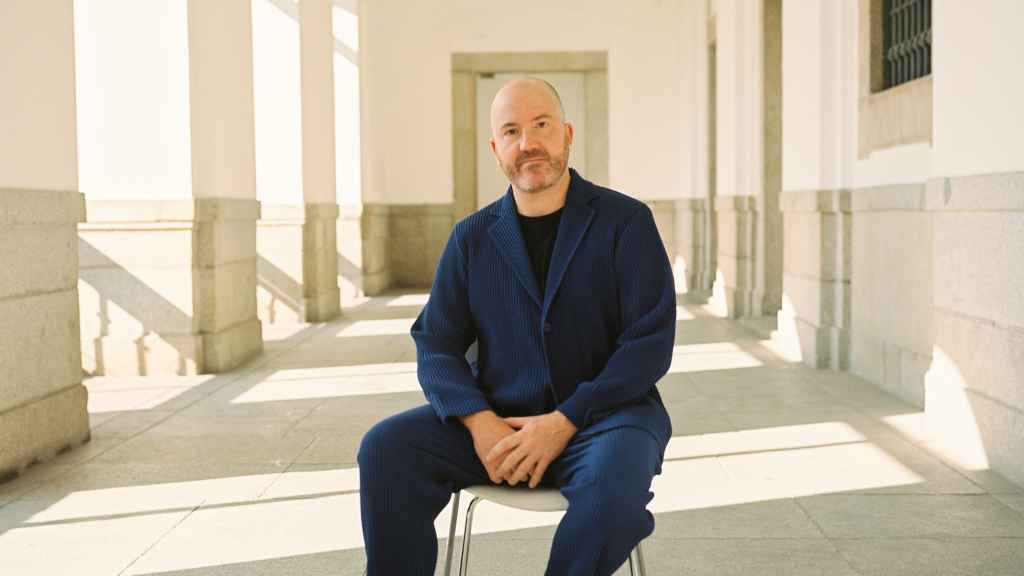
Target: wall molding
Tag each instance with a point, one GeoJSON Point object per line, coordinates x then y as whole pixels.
{"type": "Point", "coordinates": [822, 200]}
{"type": "Point", "coordinates": [170, 210]}
{"type": "Point", "coordinates": [1002, 192]}
{"type": "Point", "coordinates": [19, 206]}
{"type": "Point", "coordinates": [526, 62]}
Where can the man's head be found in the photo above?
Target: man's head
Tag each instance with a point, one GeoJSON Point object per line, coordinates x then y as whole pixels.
{"type": "Point", "coordinates": [529, 135]}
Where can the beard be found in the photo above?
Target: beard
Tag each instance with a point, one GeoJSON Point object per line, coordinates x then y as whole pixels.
{"type": "Point", "coordinates": [527, 179]}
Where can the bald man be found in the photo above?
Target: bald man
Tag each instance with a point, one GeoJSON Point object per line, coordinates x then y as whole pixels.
{"type": "Point", "coordinates": [566, 290]}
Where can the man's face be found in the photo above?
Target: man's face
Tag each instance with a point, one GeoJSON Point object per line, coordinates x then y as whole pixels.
{"type": "Point", "coordinates": [529, 138]}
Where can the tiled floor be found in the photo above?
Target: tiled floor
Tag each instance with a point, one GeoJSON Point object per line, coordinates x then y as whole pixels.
{"type": "Point", "coordinates": [774, 469]}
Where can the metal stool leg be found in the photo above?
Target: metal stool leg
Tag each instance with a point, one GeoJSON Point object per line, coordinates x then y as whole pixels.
{"type": "Point", "coordinates": [451, 535]}
{"type": "Point", "coordinates": [467, 533]}
{"type": "Point", "coordinates": [640, 559]}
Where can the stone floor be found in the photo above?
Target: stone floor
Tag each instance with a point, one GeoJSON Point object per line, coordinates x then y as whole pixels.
{"type": "Point", "coordinates": [774, 469]}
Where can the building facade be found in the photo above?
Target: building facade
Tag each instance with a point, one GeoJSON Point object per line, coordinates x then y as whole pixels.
{"type": "Point", "coordinates": [176, 174]}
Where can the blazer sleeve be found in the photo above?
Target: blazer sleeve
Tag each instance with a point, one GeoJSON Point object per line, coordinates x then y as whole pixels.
{"type": "Point", "coordinates": [647, 301]}
{"type": "Point", "coordinates": [443, 332]}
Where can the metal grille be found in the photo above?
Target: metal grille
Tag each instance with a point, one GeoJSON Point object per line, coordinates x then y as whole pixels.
{"type": "Point", "coordinates": [908, 40]}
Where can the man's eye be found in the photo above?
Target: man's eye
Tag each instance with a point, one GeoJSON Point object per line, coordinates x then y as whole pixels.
{"type": "Point", "coordinates": [510, 132]}
{"type": "Point", "coordinates": [542, 124]}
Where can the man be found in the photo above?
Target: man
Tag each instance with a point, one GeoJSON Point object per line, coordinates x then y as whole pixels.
{"type": "Point", "coordinates": [566, 290]}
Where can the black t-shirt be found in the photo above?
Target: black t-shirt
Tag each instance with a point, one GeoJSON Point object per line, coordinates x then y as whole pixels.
{"type": "Point", "coordinates": [539, 233]}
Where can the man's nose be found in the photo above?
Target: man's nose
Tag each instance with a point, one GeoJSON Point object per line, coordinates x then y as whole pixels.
{"type": "Point", "coordinates": [527, 141]}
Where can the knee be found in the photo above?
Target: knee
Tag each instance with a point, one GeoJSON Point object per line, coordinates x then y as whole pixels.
{"type": "Point", "coordinates": [394, 438]}
{"type": "Point", "coordinates": [617, 505]}
{"type": "Point", "coordinates": [383, 438]}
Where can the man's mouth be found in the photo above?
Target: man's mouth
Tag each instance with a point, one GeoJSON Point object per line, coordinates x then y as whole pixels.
{"type": "Point", "coordinates": [531, 161]}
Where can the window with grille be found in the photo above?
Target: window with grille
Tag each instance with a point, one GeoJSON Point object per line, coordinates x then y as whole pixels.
{"type": "Point", "coordinates": [908, 40]}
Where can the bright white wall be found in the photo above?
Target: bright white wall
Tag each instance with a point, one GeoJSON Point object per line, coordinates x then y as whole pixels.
{"type": "Point", "coordinates": [408, 81]}
{"type": "Point", "coordinates": [317, 50]}
{"type": "Point", "coordinates": [221, 95]}
{"type": "Point", "coordinates": [694, 153]}
{"type": "Point", "coordinates": [802, 115]}
{"type": "Point", "coordinates": [820, 58]}
{"type": "Point", "coordinates": [348, 157]}
{"type": "Point", "coordinates": [37, 101]}
{"type": "Point", "coordinates": [277, 98]}
{"type": "Point", "coordinates": [978, 87]}
{"type": "Point", "coordinates": [165, 105]}
{"type": "Point", "coordinates": [132, 89]}
{"type": "Point", "coordinates": [740, 109]}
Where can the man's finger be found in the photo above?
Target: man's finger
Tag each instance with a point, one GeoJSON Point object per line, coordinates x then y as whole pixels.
{"type": "Point", "coordinates": [510, 463]}
{"type": "Point", "coordinates": [504, 445]}
{"type": "Point", "coordinates": [492, 473]}
{"type": "Point", "coordinates": [538, 472]}
{"type": "Point", "coordinates": [523, 470]}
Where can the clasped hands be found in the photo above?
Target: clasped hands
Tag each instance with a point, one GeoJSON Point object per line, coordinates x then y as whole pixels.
{"type": "Point", "coordinates": [514, 449]}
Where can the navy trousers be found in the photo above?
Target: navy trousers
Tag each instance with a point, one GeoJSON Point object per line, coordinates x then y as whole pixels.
{"type": "Point", "coordinates": [411, 463]}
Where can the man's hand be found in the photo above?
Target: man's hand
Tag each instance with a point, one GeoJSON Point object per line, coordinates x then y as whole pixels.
{"type": "Point", "coordinates": [487, 429]}
{"type": "Point", "coordinates": [528, 452]}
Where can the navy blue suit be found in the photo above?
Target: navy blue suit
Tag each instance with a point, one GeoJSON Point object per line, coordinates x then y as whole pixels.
{"type": "Point", "coordinates": [592, 346]}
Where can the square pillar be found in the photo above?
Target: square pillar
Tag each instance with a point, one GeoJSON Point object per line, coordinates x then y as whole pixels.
{"type": "Point", "coordinates": [42, 400]}
{"type": "Point", "coordinates": [168, 282]}
{"type": "Point", "coordinates": [167, 287]}
{"type": "Point", "coordinates": [293, 52]}
{"type": "Point", "coordinates": [815, 315]}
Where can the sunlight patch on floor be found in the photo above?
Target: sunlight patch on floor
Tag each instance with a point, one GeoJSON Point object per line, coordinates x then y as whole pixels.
{"type": "Point", "coordinates": [762, 439]}
{"type": "Point", "coordinates": [409, 300]}
{"type": "Point", "coordinates": [683, 314]}
{"type": "Point", "coordinates": [279, 332]}
{"type": "Point", "coordinates": [712, 356]}
{"type": "Point", "coordinates": [376, 328]}
{"type": "Point", "coordinates": [101, 401]}
{"type": "Point", "coordinates": [148, 498]}
{"type": "Point", "coordinates": [328, 387]}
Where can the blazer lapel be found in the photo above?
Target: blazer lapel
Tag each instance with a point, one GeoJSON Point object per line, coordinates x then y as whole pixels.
{"type": "Point", "coordinates": [509, 239]}
{"type": "Point", "coordinates": [576, 218]}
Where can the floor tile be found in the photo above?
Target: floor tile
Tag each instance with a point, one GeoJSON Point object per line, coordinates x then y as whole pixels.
{"type": "Point", "coordinates": [909, 516]}
{"type": "Point", "coordinates": [743, 557]}
{"type": "Point", "coordinates": [935, 557]}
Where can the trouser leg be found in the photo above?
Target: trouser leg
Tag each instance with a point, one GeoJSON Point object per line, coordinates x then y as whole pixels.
{"type": "Point", "coordinates": [409, 466]}
{"type": "Point", "coordinates": [606, 478]}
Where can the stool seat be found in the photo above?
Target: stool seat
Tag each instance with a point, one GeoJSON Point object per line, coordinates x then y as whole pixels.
{"type": "Point", "coordinates": [522, 497]}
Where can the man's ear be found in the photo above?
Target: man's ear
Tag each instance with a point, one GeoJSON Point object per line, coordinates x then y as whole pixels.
{"type": "Point", "coordinates": [494, 152]}
{"type": "Point", "coordinates": [569, 131]}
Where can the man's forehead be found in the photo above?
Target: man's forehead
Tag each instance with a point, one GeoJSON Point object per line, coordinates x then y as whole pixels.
{"type": "Point", "coordinates": [522, 101]}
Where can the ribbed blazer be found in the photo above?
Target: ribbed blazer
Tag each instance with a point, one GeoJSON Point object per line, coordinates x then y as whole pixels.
{"type": "Point", "coordinates": [596, 342]}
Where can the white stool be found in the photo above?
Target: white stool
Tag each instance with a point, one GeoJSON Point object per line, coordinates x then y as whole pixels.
{"type": "Point", "coordinates": [535, 499]}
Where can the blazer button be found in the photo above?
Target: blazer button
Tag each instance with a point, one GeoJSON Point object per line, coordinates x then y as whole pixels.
{"type": "Point", "coordinates": [547, 327]}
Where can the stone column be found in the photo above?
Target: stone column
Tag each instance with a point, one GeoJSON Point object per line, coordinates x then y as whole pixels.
{"type": "Point", "coordinates": [748, 132]}
{"type": "Point", "coordinates": [819, 59]}
{"type": "Point", "coordinates": [295, 153]}
{"type": "Point", "coordinates": [42, 400]}
{"type": "Point", "coordinates": [815, 315]}
{"type": "Point", "coordinates": [693, 263]}
{"type": "Point", "coordinates": [168, 278]}
{"type": "Point", "coordinates": [363, 227]}
{"type": "Point", "coordinates": [691, 266]}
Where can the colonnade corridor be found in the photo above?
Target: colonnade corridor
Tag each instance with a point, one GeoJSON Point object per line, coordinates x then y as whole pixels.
{"type": "Point", "coordinates": [774, 468]}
